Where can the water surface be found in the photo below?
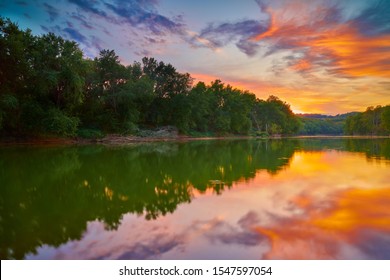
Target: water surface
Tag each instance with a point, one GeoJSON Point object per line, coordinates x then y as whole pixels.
{"type": "Point", "coordinates": [244, 199]}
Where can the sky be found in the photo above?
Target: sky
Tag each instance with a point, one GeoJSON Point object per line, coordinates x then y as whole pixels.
{"type": "Point", "coordinates": [320, 56]}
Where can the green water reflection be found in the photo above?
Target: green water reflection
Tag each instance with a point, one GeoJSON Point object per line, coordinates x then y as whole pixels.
{"type": "Point", "coordinates": [47, 195]}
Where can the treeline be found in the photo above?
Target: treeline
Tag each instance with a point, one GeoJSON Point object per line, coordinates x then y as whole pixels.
{"type": "Point", "coordinates": [374, 121]}
{"type": "Point", "coordinates": [48, 87]}
{"type": "Point", "coordinates": [317, 124]}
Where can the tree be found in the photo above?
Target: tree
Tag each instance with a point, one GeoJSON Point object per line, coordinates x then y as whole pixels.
{"type": "Point", "coordinates": [39, 73]}
{"type": "Point", "coordinates": [168, 83]}
{"type": "Point", "coordinates": [15, 54]}
{"type": "Point", "coordinates": [374, 121]}
{"type": "Point", "coordinates": [59, 71]}
{"type": "Point", "coordinates": [200, 101]}
{"type": "Point", "coordinates": [275, 116]}
{"type": "Point", "coordinates": [385, 119]}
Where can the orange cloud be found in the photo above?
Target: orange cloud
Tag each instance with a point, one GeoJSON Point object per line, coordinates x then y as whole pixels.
{"type": "Point", "coordinates": [354, 54]}
{"type": "Point", "coordinates": [301, 65]}
{"type": "Point", "coordinates": [272, 29]}
{"type": "Point", "coordinates": [326, 52]}
{"type": "Point", "coordinates": [339, 47]}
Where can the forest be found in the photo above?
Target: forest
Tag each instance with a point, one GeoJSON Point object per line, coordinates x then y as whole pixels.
{"type": "Point", "coordinates": [374, 121]}
{"type": "Point", "coordinates": [318, 124]}
{"type": "Point", "coordinates": [49, 88]}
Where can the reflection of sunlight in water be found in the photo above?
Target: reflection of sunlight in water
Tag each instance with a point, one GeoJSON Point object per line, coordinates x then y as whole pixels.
{"type": "Point", "coordinates": [326, 205]}
{"type": "Point", "coordinates": [340, 200]}
{"type": "Point", "coordinates": [322, 234]}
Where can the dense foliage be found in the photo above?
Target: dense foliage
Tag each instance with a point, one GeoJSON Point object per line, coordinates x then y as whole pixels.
{"type": "Point", "coordinates": [316, 124]}
{"type": "Point", "coordinates": [374, 121]}
{"type": "Point", "coordinates": [47, 87]}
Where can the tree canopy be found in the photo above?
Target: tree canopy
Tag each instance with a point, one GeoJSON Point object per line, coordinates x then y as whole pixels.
{"type": "Point", "coordinates": [374, 121]}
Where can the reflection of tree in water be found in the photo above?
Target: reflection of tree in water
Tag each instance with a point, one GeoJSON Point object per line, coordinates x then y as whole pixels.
{"type": "Point", "coordinates": [377, 148]}
{"type": "Point", "coordinates": [48, 195]}
{"type": "Point", "coordinates": [374, 149]}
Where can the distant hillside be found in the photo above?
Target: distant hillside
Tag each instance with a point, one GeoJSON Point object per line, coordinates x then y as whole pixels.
{"type": "Point", "coordinates": [318, 124]}
{"type": "Point", "coordinates": [321, 116]}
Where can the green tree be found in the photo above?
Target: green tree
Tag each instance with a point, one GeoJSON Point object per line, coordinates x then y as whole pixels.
{"type": "Point", "coordinates": [201, 107]}
{"type": "Point", "coordinates": [168, 83]}
{"type": "Point", "coordinates": [15, 54]}
{"type": "Point", "coordinates": [385, 119]}
{"type": "Point", "coordinates": [374, 121]}
{"type": "Point", "coordinates": [38, 74]}
{"type": "Point", "coordinates": [275, 116]}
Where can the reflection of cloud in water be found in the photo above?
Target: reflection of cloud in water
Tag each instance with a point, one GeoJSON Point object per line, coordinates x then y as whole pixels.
{"type": "Point", "coordinates": [355, 226]}
{"type": "Point", "coordinates": [132, 240]}
{"type": "Point", "coordinates": [327, 205]}
{"type": "Point", "coordinates": [153, 248]}
{"type": "Point", "coordinates": [137, 240]}
{"type": "Point", "coordinates": [376, 245]}
{"type": "Point", "coordinates": [241, 234]}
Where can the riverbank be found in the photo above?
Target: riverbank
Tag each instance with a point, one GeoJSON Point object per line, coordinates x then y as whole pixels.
{"type": "Point", "coordinates": [120, 139]}
{"type": "Point", "coordinates": [113, 139]}
{"type": "Point", "coordinates": [339, 136]}
{"type": "Point", "coordinates": [117, 139]}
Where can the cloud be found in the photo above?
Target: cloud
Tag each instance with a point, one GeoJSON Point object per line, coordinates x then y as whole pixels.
{"type": "Point", "coordinates": [239, 32]}
{"type": "Point", "coordinates": [89, 6]}
{"type": "Point", "coordinates": [319, 33]}
{"type": "Point", "coordinates": [75, 35]}
{"type": "Point", "coordinates": [81, 19]}
{"type": "Point", "coordinates": [96, 43]}
{"type": "Point", "coordinates": [151, 40]}
{"type": "Point", "coordinates": [374, 20]}
{"type": "Point", "coordinates": [21, 3]}
{"type": "Point", "coordinates": [70, 33]}
{"type": "Point", "coordinates": [53, 12]}
{"type": "Point", "coordinates": [143, 53]}
{"type": "Point", "coordinates": [130, 18]}
{"type": "Point", "coordinates": [144, 13]}
{"type": "Point", "coordinates": [247, 47]}
{"type": "Point", "coordinates": [53, 29]}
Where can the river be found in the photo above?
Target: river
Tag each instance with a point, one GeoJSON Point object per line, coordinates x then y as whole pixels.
{"type": "Point", "coordinates": [219, 199]}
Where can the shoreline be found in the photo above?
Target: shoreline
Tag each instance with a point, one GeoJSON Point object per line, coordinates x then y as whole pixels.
{"type": "Point", "coordinates": [339, 136]}
{"type": "Point", "coordinates": [114, 139]}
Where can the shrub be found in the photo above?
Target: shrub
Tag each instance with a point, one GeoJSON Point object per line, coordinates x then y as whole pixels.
{"type": "Point", "coordinates": [57, 122]}
{"type": "Point", "coordinates": [90, 133]}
